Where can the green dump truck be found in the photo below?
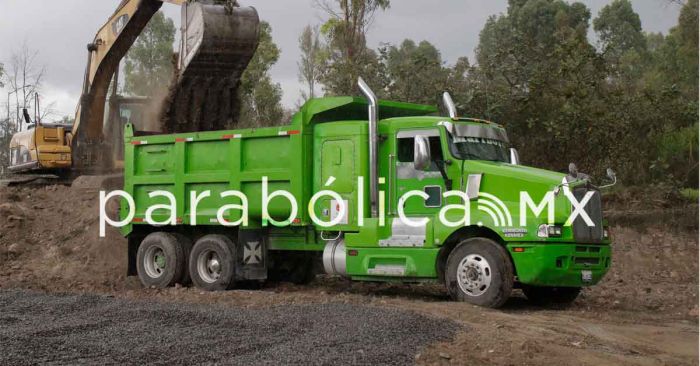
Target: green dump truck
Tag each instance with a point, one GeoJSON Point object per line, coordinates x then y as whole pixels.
{"type": "Point", "coordinates": [372, 190]}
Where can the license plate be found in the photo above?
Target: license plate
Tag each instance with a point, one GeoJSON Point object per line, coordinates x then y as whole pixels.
{"type": "Point", "coordinates": [587, 276]}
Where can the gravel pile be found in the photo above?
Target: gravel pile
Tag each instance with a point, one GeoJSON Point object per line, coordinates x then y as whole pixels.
{"type": "Point", "coordinates": [89, 329]}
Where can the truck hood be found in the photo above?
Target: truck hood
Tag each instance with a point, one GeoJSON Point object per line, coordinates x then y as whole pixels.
{"type": "Point", "coordinates": [506, 181]}
{"type": "Point", "coordinates": [516, 172]}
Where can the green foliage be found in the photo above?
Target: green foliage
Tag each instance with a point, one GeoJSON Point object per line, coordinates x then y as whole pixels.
{"type": "Point", "coordinates": [630, 105]}
{"type": "Point", "coordinates": [346, 55]}
{"type": "Point", "coordinates": [311, 63]}
{"type": "Point", "coordinates": [149, 63]}
{"type": "Point", "coordinates": [690, 194]}
{"type": "Point", "coordinates": [415, 72]}
{"type": "Point", "coordinates": [620, 31]}
{"type": "Point", "coordinates": [538, 74]}
{"type": "Point", "coordinates": [261, 98]}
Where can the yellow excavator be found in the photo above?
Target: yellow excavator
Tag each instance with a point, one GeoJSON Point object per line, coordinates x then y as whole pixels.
{"type": "Point", "coordinates": [218, 39]}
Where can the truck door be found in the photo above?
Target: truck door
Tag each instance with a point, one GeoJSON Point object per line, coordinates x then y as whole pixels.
{"type": "Point", "coordinates": [409, 179]}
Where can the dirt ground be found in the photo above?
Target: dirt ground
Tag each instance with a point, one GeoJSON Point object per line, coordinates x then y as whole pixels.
{"type": "Point", "coordinates": [644, 313]}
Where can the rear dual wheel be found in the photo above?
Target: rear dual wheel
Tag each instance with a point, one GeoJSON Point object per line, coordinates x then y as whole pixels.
{"type": "Point", "coordinates": [162, 260]}
{"type": "Point", "coordinates": [165, 259]}
{"type": "Point", "coordinates": [213, 263]}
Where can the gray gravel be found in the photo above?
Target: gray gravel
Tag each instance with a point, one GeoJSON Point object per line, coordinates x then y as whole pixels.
{"type": "Point", "coordinates": [89, 329]}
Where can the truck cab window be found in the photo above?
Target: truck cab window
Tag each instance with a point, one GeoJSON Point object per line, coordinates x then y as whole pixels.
{"type": "Point", "coordinates": [406, 147]}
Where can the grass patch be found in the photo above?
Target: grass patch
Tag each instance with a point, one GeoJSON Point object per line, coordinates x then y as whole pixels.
{"type": "Point", "coordinates": [690, 194]}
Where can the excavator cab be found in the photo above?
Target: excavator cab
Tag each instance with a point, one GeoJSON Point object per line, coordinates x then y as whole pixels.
{"type": "Point", "coordinates": [218, 40]}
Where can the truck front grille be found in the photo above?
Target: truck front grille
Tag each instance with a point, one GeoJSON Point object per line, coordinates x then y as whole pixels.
{"type": "Point", "coordinates": [582, 232]}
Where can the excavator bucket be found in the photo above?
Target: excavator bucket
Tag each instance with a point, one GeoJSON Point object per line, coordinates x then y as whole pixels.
{"type": "Point", "coordinates": [218, 43]}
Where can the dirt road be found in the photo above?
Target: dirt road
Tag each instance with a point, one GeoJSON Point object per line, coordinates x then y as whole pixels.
{"type": "Point", "coordinates": [644, 313]}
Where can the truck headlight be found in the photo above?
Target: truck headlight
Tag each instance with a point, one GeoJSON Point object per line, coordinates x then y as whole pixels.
{"type": "Point", "coordinates": [549, 231]}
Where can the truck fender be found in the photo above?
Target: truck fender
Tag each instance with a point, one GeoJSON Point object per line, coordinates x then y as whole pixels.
{"type": "Point", "coordinates": [457, 237]}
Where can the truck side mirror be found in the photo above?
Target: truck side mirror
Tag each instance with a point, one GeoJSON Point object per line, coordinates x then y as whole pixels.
{"type": "Point", "coordinates": [514, 157]}
{"type": "Point", "coordinates": [421, 153]}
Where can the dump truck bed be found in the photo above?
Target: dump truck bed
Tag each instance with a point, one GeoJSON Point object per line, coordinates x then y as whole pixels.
{"type": "Point", "coordinates": [216, 162]}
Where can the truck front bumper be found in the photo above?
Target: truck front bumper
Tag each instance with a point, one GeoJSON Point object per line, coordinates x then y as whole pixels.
{"type": "Point", "coordinates": [559, 264]}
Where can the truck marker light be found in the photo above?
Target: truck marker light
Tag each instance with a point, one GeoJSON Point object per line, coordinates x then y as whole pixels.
{"type": "Point", "coordinates": [137, 220]}
{"type": "Point", "coordinates": [297, 221]}
{"type": "Point", "coordinates": [189, 139]}
{"type": "Point", "coordinates": [353, 253]}
{"type": "Point", "coordinates": [231, 137]}
{"type": "Point", "coordinates": [518, 250]}
{"type": "Point", "coordinates": [136, 143]}
{"type": "Point", "coordinates": [289, 133]}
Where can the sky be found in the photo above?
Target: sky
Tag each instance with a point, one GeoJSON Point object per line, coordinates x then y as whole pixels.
{"type": "Point", "coordinates": [60, 30]}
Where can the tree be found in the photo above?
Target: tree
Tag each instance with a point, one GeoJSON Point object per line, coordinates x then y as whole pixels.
{"type": "Point", "coordinates": [2, 72]}
{"type": "Point", "coordinates": [25, 77]}
{"type": "Point", "coordinates": [538, 74]}
{"type": "Point", "coordinates": [149, 63]}
{"type": "Point", "coordinates": [261, 98]}
{"type": "Point", "coordinates": [310, 65]}
{"type": "Point", "coordinates": [347, 54]}
{"type": "Point", "coordinates": [622, 42]}
{"type": "Point", "coordinates": [415, 73]}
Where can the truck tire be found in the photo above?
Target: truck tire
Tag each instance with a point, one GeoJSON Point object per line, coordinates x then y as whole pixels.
{"type": "Point", "coordinates": [186, 245]}
{"type": "Point", "coordinates": [160, 260]}
{"type": "Point", "coordinates": [479, 271]}
{"type": "Point", "coordinates": [212, 263]}
{"type": "Point", "coordinates": [551, 295]}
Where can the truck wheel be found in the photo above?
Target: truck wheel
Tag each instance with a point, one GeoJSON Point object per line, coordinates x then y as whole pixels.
{"type": "Point", "coordinates": [186, 245]}
{"type": "Point", "coordinates": [212, 263]}
{"type": "Point", "coordinates": [479, 272]}
{"type": "Point", "coordinates": [160, 260]}
{"type": "Point", "coordinates": [551, 295]}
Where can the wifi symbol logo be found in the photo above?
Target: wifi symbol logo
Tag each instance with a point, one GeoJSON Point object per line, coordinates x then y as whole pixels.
{"type": "Point", "coordinates": [496, 209]}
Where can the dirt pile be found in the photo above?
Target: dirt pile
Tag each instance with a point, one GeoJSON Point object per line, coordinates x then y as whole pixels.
{"type": "Point", "coordinates": [49, 239]}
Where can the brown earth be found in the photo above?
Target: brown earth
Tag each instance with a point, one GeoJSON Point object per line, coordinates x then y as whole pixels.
{"type": "Point", "coordinates": [644, 313]}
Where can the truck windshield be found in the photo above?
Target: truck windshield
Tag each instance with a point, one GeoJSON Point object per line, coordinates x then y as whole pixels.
{"type": "Point", "coordinates": [475, 148]}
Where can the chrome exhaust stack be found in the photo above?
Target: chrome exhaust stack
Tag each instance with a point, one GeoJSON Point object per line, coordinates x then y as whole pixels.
{"type": "Point", "coordinates": [450, 105]}
{"type": "Point", "coordinates": [373, 132]}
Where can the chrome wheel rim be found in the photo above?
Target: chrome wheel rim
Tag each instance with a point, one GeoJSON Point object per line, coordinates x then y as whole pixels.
{"type": "Point", "coordinates": [154, 262]}
{"type": "Point", "coordinates": [474, 275]}
{"type": "Point", "coordinates": [209, 266]}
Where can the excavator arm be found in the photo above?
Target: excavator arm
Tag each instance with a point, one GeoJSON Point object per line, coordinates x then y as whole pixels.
{"type": "Point", "coordinates": [218, 40]}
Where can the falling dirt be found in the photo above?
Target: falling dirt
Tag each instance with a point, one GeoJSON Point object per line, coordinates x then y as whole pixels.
{"type": "Point", "coordinates": [644, 313]}
{"type": "Point", "coordinates": [219, 45]}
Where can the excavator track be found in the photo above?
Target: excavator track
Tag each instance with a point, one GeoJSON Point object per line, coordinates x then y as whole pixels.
{"type": "Point", "coordinates": [218, 43]}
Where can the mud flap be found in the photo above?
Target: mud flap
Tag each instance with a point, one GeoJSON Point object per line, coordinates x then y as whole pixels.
{"type": "Point", "coordinates": [252, 255]}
